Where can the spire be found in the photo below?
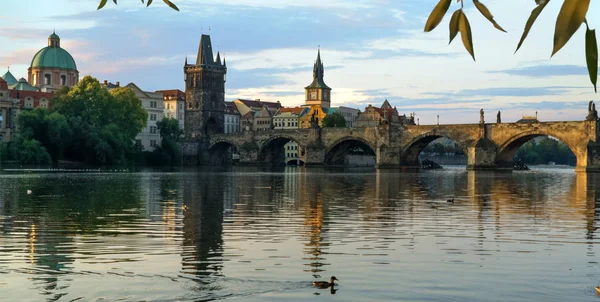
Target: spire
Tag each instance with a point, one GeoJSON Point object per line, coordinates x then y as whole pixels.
{"type": "Point", "coordinates": [205, 54]}
{"type": "Point", "coordinates": [318, 73]}
{"type": "Point", "coordinates": [185, 61]}
{"type": "Point", "coordinates": [218, 62]}
{"type": "Point", "coordinates": [224, 63]}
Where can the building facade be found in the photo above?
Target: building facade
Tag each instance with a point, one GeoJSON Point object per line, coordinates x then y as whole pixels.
{"type": "Point", "coordinates": [287, 118]}
{"type": "Point", "coordinates": [263, 120]}
{"type": "Point", "coordinates": [204, 92]}
{"type": "Point", "coordinates": [152, 102]}
{"type": "Point", "coordinates": [52, 67]}
{"type": "Point", "coordinates": [232, 118]}
{"type": "Point", "coordinates": [318, 93]}
{"type": "Point", "coordinates": [313, 116]}
{"type": "Point", "coordinates": [7, 105]}
{"type": "Point", "coordinates": [174, 104]}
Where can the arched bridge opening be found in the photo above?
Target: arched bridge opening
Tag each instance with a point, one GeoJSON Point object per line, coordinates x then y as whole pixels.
{"type": "Point", "coordinates": [432, 151]}
{"type": "Point", "coordinates": [280, 151]}
{"type": "Point", "coordinates": [351, 152]}
{"type": "Point", "coordinates": [222, 153]}
{"type": "Point", "coordinates": [534, 149]}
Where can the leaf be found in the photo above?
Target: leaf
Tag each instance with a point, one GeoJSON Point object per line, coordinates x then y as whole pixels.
{"type": "Point", "coordinates": [437, 14]}
{"type": "Point", "coordinates": [454, 24]}
{"type": "Point", "coordinates": [171, 5]}
{"type": "Point", "coordinates": [591, 54]}
{"type": "Point", "coordinates": [572, 13]}
{"type": "Point", "coordinates": [465, 34]}
{"type": "Point", "coordinates": [102, 4]}
{"type": "Point", "coordinates": [149, 2]}
{"type": "Point", "coordinates": [534, 14]}
{"type": "Point", "coordinates": [487, 14]}
{"type": "Point", "coordinates": [115, 1]}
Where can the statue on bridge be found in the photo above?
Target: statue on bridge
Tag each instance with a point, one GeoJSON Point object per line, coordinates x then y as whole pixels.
{"type": "Point", "coordinates": [481, 119]}
{"type": "Point", "coordinates": [592, 113]}
{"type": "Point", "coordinates": [498, 118]}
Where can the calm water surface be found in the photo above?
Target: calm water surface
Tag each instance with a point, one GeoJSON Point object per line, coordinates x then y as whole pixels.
{"type": "Point", "coordinates": [249, 234]}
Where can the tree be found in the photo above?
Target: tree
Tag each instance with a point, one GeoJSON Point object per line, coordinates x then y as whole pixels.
{"type": "Point", "coordinates": [169, 127]}
{"type": "Point", "coordinates": [50, 129]}
{"type": "Point", "coordinates": [572, 14]}
{"type": "Point", "coordinates": [335, 119]}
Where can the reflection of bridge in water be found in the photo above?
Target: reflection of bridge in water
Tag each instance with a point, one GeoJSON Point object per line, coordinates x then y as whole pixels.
{"type": "Point", "coordinates": [487, 146]}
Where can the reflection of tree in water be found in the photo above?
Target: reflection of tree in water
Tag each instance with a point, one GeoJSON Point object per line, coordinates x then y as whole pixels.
{"type": "Point", "coordinates": [203, 228]}
{"type": "Point", "coordinates": [60, 208]}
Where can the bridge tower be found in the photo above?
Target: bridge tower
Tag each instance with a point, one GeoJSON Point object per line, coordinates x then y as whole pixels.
{"type": "Point", "coordinates": [204, 92]}
{"type": "Point", "coordinates": [318, 93]}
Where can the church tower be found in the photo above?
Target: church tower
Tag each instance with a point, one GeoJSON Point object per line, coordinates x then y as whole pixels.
{"type": "Point", "coordinates": [318, 93]}
{"type": "Point", "coordinates": [204, 92]}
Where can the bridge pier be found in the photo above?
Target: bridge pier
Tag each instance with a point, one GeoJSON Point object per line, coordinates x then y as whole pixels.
{"type": "Point", "coordinates": [387, 157]}
{"type": "Point", "coordinates": [588, 160]}
{"type": "Point", "coordinates": [482, 156]}
{"type": "Point", "coordinates": [314, 155]}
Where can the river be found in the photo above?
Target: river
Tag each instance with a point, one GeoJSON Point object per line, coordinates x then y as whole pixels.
{"type": "Point", "coordinates": [258, 234]}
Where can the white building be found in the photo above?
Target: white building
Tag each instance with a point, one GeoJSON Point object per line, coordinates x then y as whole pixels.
{"type": "Point", "coordinates": [152, 102]}
{"type": "Point", "coordinates": [232, 118]}
{"type": "Point", "coordinates": [284, 119]}
{"type": "Point", "coordinates": [350, 114]}
{"type": "Point", "coordinates": [174, 104]}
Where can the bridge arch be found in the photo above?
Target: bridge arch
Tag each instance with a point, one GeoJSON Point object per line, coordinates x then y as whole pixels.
{"type": "Point", "coordinates": [507, 150]}
{"type": "Point", "coordinates": [335, 154]}
{"type": "Point", "coordinates": [222, 151]}
{"type": "Point", "coordinates": [272, 151]}
{"type": "Point", "coordinates": [409, 155]}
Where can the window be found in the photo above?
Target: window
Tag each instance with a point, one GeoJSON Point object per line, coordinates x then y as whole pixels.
{"type": "Point", "coordinates": [47, 79]}
{"type": "Point", "coordinates": [152, 129]}
{"type": "Point", "coordinates": [28, 103]}
{"type": "Point", "coordinates": [152, 143]}
{"type": "Point", "coordinates": [152, 104]}
{"type": "Point", "coordinates": [153, 117]}
{"type": "Point", "coordinates": [63, 80]}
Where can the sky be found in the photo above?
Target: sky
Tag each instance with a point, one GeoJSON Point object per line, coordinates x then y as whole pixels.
{"type": "Point", "coordinates": [372, 50]}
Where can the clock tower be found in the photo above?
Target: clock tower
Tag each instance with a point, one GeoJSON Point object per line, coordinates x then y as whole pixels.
{"type": "Point", "coordinates": [318, 93]}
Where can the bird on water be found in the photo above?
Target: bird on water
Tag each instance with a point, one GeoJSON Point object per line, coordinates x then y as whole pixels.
{"type": "Point", "coordinates": [598, 289]}
{"type": "Point", "coordinates": [325, 284]}
{"type": "Point", "coordinates": [450, 200]}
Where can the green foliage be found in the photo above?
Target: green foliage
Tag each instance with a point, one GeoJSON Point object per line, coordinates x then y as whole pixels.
{"type": "Point", "coordinates": [51, 129]}
{"type": "Point", "coordinates": [29, 151]}
{"type": "Point", "coordinates": [148, 3]}
{"type": "Point", "coordinates": [572, 14]}
{"type": "Point", "coordinates": [87, 123]}
{"type": "Point", "coordinates": [545, 151]}
{"type": "Point", "coordinates": [335, 119]}
{"type": "Point", "coordinates": [169, 128]}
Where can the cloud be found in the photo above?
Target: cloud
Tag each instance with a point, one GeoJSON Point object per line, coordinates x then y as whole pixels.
{"type": "Point", "coordinates": [545, 70]}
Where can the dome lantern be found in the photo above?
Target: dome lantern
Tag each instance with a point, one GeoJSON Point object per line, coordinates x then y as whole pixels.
{"type": "Point", "coordinates": [54, 40]}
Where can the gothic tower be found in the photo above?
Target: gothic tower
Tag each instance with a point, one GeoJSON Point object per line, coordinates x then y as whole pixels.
{"type": "Point", "coordinates": [204, 92]}
{"type": "Point", "coordinates": [318, 93]}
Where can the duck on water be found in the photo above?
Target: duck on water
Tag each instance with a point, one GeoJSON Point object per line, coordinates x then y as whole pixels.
{"type": "Point", "coordinates": [325, 284]}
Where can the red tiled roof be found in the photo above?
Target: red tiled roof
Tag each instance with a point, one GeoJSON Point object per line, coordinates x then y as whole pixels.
{"type": "Point", "coordinates": [22, 94]}
{"type": "Point", "coordinates": [3, 84]}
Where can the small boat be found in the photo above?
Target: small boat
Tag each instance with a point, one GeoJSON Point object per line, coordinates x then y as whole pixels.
{"type": "Point", "coordinates": [325, 284]}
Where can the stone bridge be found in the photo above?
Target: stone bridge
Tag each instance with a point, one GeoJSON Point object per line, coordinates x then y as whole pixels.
{"type": "Point", "coordinates": [487, 146]}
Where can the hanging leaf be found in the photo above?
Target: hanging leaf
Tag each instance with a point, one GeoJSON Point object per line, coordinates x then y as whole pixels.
{"type": "Point", "coordinates": [454, 24]}
{"type": "Point", "coordinates": [487, 14]}
{"type": "Point", "coordinates": [534, 14]}
{"type": "Point", "coordinates": [115, 1]}
{"type": "Point", "coordinates": [149, 2]}
{"type": "Point", "coordinates": [171, 5]}
{"type": "Point", "coordinates": [572, 13]}
{"type": "Point", "coordinates": [102, 4]}
{"type": "Point", "coordinates": [437, 14]}
{"type": "Point", "coordinates": [465, 33]}
{"type": "Point", "coordinates": [591, 54]}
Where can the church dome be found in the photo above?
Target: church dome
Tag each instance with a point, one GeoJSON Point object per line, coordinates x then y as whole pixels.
{"type": "Point", "coordinates": [53, 56]}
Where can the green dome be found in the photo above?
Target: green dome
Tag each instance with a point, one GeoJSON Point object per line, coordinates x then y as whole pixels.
{"type": "Point", "coordinates": [54, 36]}
{"type": "Point", "coordinates": [53, 57]}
